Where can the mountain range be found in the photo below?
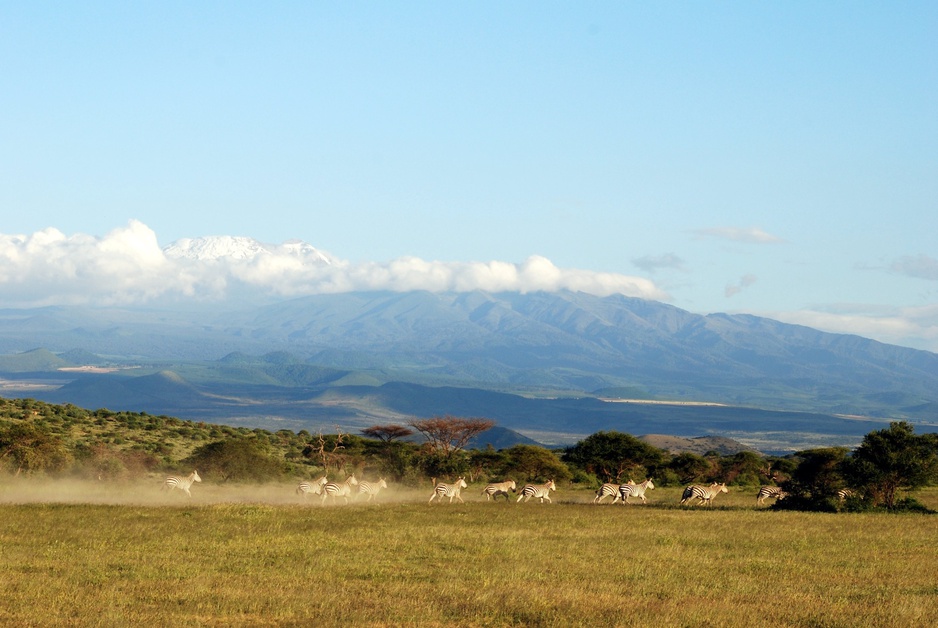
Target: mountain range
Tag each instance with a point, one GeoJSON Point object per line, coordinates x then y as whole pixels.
{"type": "Point", "coordinates": [547, 365]}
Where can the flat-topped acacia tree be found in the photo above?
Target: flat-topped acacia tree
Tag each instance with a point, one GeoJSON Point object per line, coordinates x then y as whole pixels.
{"type": "Point", "coordinates": [448, 434]}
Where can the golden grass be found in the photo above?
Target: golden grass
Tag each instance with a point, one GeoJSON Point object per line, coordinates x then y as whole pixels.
{"type": "Point", "coordinates": [250, 561]}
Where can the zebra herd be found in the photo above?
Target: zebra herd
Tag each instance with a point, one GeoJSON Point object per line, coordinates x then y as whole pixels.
{"type": "Point", "coordinates": [327, 489]}
{"type": "Point", "coordinates": [623, 491]}
{"type": "Point", "coordinates": [695, 493]}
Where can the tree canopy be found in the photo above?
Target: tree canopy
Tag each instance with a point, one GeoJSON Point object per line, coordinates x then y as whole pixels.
{"type": "Point", "coordinates": [612, 456]}
{"type": "Point", "coordinates": [890, 460]}
{"type": "Point", "coordinates": [447, 434]}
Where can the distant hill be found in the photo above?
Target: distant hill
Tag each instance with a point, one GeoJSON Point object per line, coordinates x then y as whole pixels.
{"type": "Point", "coordinates": [699, 445]}
{"type": "Point", "coordinates": [535, 362]}
{"type": "Point", "coordinates": [31, 361]}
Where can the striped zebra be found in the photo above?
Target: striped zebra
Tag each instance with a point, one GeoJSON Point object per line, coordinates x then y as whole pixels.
{"type": "Point", "coordinates": [844, 493]}
{"type": "Point", "coordinates": [314, 487]}
{"type": "Point", "coordinates": [635, 490]}
{"type": "Point", "coordinates": [183, 484]}
{"type": "Point", "coordinates": [770, 492]}
{"type": "Point", "coordinates": [541, 491]}
{"type": "Point", "coordinates": [704, 493]}
{"type": "Point", "coordinates": [449, 490]}
{"type": "Point", "coordinates": [371, 489]}
{"type": "Point", "coordinates": [607, 490]}
{"type": "Point", "coordinates": [334, 489]}
{"type": "Point", "coordinates": [492, 491]}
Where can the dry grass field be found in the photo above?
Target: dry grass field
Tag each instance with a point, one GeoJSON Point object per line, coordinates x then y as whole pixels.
{"type": "Point", "coordinates": [75, 555]}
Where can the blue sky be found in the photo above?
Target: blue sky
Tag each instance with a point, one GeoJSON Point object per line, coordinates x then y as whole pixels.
{"type": "Point", "coordinates": [772, 158]}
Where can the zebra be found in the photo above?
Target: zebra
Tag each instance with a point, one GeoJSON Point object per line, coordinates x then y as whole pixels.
{"type": "Point", "coordinates": [607, 490]}
{"type": "Point", "coordinates": [541, 491]}
{"type": "Point", "coordinates": [449, 490]}
{"type": "Point", "coordinates": [844, 493]}
{"type": "Point", "coordinates": [334, 489]}
{"type": "Point", "coordinates": [770, 492]}
{"type": "Point", "coordinates": [704, 493]}
{"type": "Point", "coordinates": [311, 487]}
{"type": "Point", "coordinates": [371, 488]}
{"type": "Point", "coordinates": [492, 491]}
{"type": "Point", "coordinates": [635, 490]}
{"type": "Point", "coordinates": [174, 481]}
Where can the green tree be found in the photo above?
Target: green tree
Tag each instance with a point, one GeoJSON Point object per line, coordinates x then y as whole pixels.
{"type": "Point", "coordinates": [395, 454]}
{"type": "Point", "coordinates": [743, 468]}
{"type": "Point", "coordinates": [29, 448]}
{"type": "Point", "coordinates": [815, 481]}
{"type": "Point", "coordinates": [487, 463]}
{"type": "Point", "coordinates": [891, 460]}
{"type": "Point", "coordinates": [691, 467]}
{"type": "Point", "coordinates": [237, 459]}
{"type": "Point", "coordinates": [614, 456]}
{"type": "Point", "coordinates": [528, 463]}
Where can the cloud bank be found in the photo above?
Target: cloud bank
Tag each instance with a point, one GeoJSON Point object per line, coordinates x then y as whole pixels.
{"type": "Point", "coordinates": [906, 326]}
{"type": "Point", "coordinates": [127, 266]}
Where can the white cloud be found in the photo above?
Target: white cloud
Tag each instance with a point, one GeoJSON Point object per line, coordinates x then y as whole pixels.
{"type": "Point", "coordinates": [907, 326]}
{"type": "Point", "coordinates": [736, 234]}
{"type": "Point", "coordinates": [653, 263]}
{"type": "Point", "coordinates": [127, 266]}
{"type": "Point", "coordinates": [49, 268]}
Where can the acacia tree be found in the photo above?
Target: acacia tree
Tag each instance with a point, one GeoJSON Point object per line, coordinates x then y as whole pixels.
{"type": "Point", "coordinates": [387, 433]}
{"type": "Point", "coordinates": [890, 460]}
{"type": "Point", "coordinates": [396, 457]}
{"type": "Point", "coordinates": [447, 434]}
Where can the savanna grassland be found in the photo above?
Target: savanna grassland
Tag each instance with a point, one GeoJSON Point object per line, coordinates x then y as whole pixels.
{"type": "Point", "coordinates": [255, 556]}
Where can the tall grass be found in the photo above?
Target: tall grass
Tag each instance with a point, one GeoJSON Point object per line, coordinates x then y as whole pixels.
{"type": "Point", "coordinates": [187, 562]}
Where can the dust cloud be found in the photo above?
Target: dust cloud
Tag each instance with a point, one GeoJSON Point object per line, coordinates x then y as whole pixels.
{"type": "Point", "coordinates": [150, 492]}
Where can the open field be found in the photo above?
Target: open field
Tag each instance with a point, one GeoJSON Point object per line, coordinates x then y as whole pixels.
{"type": "Point", "coordinates": [254, 556]}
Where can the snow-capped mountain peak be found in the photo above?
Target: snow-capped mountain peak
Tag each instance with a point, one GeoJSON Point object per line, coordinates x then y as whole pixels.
{"type": "Point", "coordinates": [240, 248]}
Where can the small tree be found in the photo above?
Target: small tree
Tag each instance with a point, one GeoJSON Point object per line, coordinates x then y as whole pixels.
{"type": "Point", "coordinates": [387, 433]}
{"type": "Point", "coordinates": [890, 460]}
{"type": "Point", "coordinates": [396, 455]}
{"type": "Point", "coordinates": [329, 450]}
{"type": "Point", "coordinates": [244, 458]}
{"type": "Point", "coordinates": [527, 463]}
{"type": "Point", "coordinates": [815, 481]}
{"type": "Point", "coordinates": [690, 467]}
{"type": "Point", "coordinates": [486, 463]}
{"type": "Point", "coordinates": [30, 448]}
{"type": "Point", "coordinates": [744, 467]}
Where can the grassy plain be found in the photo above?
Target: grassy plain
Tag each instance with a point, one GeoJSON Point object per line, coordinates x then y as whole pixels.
{"type": "Point", "coordinates": [259, 556]}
